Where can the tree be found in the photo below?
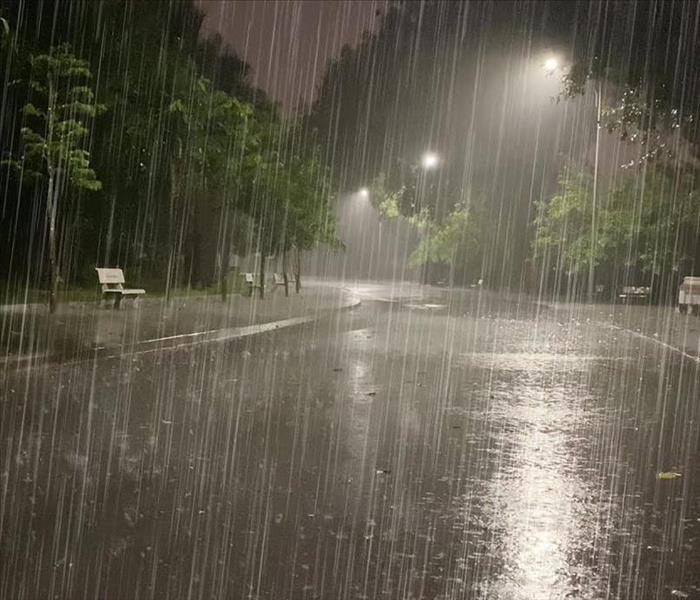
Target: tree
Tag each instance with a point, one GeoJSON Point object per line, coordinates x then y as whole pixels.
{"type": "Point", "coordinates": [563, 224]}
{"type": "Point", "coordinates": [292, 210]}
{"type": "Point", "coordinates": [641, 75]}
{"type": "Point", "coordinates": [55, 141]}
{"type": "Point", "coordinates": [217, 151]}
{"type": "Point", "coordinates": [647, 228]}
{"type": "Point", "coordinates": [309, 219]}
{"type": "Point", "coordinates": [456, 244]}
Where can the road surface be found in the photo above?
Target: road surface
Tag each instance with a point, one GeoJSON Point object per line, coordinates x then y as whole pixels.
{"type": "Point", "coordinates": [429, 448]}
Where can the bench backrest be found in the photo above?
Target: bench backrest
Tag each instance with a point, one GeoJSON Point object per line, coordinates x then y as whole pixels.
{"type": "Point", "coordinates": [111, 279]}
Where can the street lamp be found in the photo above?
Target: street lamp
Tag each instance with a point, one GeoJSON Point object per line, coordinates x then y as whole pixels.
{"type": "Point", "coordinates": [364, 192]}
{"type": "Point", "coordinates": [429, 160]}
{"type": "Point", "coordinates": [551, 64]}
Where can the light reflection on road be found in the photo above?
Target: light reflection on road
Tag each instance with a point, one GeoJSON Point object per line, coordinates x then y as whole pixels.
{"type": "Point", "coordinates": [389, 453]}
{"type": "Point", "coordinates": [537, 498]}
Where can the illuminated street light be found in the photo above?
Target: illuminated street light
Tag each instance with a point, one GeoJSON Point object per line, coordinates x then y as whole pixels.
{"type": "Point", "coordinates": [364, 192]}
{"type": "Point", "coordinates": [430, 160]}
{"type": "Point", "coordinates": [551, 64]}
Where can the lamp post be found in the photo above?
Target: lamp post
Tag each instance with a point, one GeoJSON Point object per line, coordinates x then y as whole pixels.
{"type": "Point", "coordinates": [591, 259]}
{"type": "Point", "coordinates": [550, 65]}
{"type": "Point", "coordinates": [428, 162]}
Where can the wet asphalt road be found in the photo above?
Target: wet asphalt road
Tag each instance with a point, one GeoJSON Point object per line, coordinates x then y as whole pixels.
{"type": "Point", "coordinates": [395, 451]}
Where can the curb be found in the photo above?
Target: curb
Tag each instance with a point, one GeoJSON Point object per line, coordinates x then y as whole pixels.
{"type": "Point", "coordinates": [177, 342]}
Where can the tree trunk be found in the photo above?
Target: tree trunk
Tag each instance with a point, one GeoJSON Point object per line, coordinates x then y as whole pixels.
{"type": "Point", "coordinates": [285, 277]}
{"type": "Point", "coordinates": [223, 286]}
{"type": "Point", "coordinates": [53, 263]}
{"type": "Point", "coordinates": [297, 271]}
{"type": "Point", "coordinates": [110, 230]}
{"type": "Point", "coordinates": [223, 250]}
{"type": "Point", "coordinates": [51, 207]}
{"type": "Point", "coordinates": [171, 275]}
{"type": "Point", "coordinates": [262, 274]}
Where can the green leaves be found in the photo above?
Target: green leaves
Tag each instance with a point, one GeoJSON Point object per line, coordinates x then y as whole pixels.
{"type": "Point", "coordinates": [60, 63]}
{"type": "Point", "coordinates": [58, 118]}
{"type": "Point", "coordinates": [177, 107]}
{"type": "Point", "coordinates": [389, 207]}
{"type": "Point", "coordinates": [30, 110]}
{"type": "Point", "coordinates": [638, 114]}
{"type": "Point", "coordinates": [213, 131]}
{"type": "Point", "coordinates": [386, 201]}
{"type": "Point", "coordinates": [457, 237]}
{"type": "Point", "coordinates": [643, 208]}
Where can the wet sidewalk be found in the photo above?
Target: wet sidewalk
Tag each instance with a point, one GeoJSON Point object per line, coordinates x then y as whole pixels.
{"type": "Point", "coordinates": [78, 331]}
{"type": "Point", "coordinates": [660, 324]}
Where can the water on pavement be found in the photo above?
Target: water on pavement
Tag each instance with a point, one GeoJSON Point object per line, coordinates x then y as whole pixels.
{"type": "Point", "coordinates": [428, 449]}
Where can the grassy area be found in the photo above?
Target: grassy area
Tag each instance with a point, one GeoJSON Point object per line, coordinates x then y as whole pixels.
{"type": "Point", "coordinates": [88, 294]}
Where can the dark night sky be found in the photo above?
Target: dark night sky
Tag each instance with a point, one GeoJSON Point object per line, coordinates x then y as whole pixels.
{"type": "Point", "coordinates": [288, 42]}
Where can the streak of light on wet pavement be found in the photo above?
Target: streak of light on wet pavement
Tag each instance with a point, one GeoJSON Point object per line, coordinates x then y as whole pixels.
{"type": "Point", "coordinates": [463, 451]}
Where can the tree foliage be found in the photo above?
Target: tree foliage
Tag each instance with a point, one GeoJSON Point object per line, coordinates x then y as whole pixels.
{"type": "Point", "coordinates": [456, 241]}
{"type": "Point", "coordinates": [188, 163]}
{"type": "Point", "coordinates": [54, 151]}
{"type": "Point", "coordinates": [646, 227]}
{"type": "Point", "coordinates": [61, 106]}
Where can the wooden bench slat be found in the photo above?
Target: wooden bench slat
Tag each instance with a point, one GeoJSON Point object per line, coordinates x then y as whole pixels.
{"type": "Point", "coordinates": [110, 275]}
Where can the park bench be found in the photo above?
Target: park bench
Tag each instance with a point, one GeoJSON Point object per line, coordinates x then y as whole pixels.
{"type": "Point", "coordinates": [635, 292]}
{"type": "Point", "coordinates": [250, 281]}
{"type": "Point", "coordinates": [278, 279]}
{"type": "Point", "coordinates": [112, 282]}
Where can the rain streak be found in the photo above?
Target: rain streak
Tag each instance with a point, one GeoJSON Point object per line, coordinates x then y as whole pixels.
{"type": "Point", "coordinates": [350, 299]}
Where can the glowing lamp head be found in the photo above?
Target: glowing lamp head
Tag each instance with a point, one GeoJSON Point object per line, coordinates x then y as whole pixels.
{"type": "Point", "coordinates": [430, 160]}
{"type": "Point", "coordinates": [551, 64]}
{"type": "Point", "coordinates": [364, 192]}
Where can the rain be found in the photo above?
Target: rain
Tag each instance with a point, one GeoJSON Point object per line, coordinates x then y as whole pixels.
{"type": "Point", "coordinates": [350, 299]}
